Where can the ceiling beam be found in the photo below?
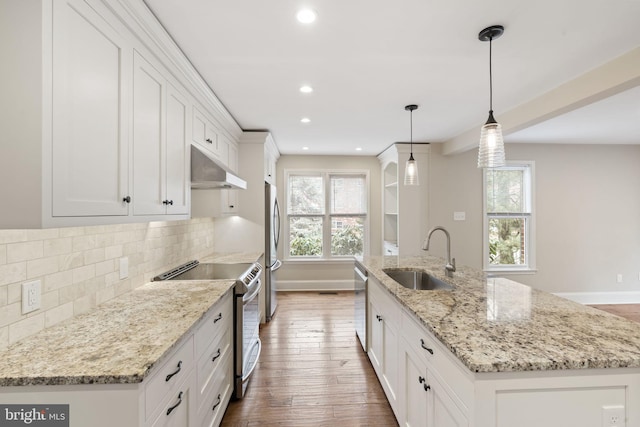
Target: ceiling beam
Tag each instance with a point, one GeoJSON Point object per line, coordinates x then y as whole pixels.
{"type": "Point", "coordinates": [618, 75]}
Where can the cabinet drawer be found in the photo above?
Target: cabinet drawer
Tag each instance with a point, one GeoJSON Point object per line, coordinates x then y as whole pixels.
{"type": "Point", "coordinates": [175, 412]}
{"type": "Point", "coordinates": [212, 364]}
{"type": "Point", "coordinates": [439, 360]}
{"type": "Point", "coordinates": [217, 321]}
{"type": "Point", "coordinates": [169, 376]}
{"type": "Point", "coordinates": [216, 400]}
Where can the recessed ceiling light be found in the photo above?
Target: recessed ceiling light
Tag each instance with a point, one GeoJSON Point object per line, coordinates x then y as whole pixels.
{"type": "Point", "coordinates": [305, 148]}
{"type": "Point", "coordinates": [305, 120]}
{"type": "Point", "coordinates": [358, 148]}
{"type": "Point", "coordinates": [306, 16]}
{"type": "Point", "coordinates": [306, 89]}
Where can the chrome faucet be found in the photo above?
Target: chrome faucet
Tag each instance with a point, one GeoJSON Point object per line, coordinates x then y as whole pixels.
{"type": "Point", "coordinates": [451, 263]}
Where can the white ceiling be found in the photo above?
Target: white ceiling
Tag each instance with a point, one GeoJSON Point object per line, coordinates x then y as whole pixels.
{"type": "Point", "coordinates": [367, 59]}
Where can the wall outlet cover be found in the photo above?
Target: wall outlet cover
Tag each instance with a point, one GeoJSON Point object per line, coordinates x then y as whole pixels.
{"type": "Point", "coordinates": [31, 296]}
{"type": "Point", "coordinates": [124, 267]}
{"type": "Point", "coordinates": [614, 416]}
{"type": "Point", "coordinates": [459, 216]}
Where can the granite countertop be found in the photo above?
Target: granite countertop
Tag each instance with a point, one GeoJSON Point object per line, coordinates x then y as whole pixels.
{"type": "Point", "coordinates": [498, 325]}
{"type": "Point", "coordinates": [119, 341]}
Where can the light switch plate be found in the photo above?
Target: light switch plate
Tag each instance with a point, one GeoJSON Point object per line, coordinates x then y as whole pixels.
{"type": "Point", "coordinates": [459, 216]}
{"type": "Point", "coordinates": [31, 297]}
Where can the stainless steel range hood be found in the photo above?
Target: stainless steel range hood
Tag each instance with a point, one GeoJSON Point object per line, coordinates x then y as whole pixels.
{"type": "Point", "coordinates": [207, 172]}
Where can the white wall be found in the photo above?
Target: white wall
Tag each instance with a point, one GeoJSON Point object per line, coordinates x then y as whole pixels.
{"type": "Point", "coordinates": [587, 208]}
{"type": "Point", "coordinates": [319, 275]}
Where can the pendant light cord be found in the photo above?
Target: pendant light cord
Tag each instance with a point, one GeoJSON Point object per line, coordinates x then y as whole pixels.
{"type": "Point", "coordinates": [411, 131]}
{"type": "Point", "coordinates": [490, 78]}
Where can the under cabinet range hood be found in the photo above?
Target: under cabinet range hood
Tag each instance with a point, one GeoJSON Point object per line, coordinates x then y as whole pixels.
{"type": "Point", "coordinates": [207, 172]}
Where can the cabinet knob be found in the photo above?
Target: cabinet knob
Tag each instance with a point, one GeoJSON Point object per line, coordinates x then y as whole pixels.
{"type": "Point", "coordinates": [427, 387]}
{"type": "Point", "coordinates": [425, 347]}
{"type": "Point", "coordinates": [231, 206]}
{"type": "Point", "coordinates": [421, 379]}
{"type": "Point", "coordinates": [127, 199]}
{"type": "Point", "coordinates": [379, 318]}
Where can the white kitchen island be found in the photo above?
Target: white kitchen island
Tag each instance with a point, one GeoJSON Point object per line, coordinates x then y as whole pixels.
{"type": "Point", "coordinates": [495, 353]}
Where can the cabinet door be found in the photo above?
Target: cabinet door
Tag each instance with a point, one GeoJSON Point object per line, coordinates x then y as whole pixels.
{"type": "Point", "coordinates": [177, 153]}
{"type": "Point", "coordinates": [443, 411]}
{"type": "Point", "coordinates": [148, 139]}
{"type": "Point", "coordinates": [415, 396]}
{"type": "Point", "coordinates": [91, 63]}
{"type": "Point", "coordinates": [391, 359]}
{"type": "Point", "coordinates": [376, 345]}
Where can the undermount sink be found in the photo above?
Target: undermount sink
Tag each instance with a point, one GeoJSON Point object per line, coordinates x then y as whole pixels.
{"type": "Point", "coordinates": [417, 279]}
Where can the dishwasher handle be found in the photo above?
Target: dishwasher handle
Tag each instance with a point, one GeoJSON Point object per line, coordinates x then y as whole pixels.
{"type": "Point", "coordinates": [362, 275]}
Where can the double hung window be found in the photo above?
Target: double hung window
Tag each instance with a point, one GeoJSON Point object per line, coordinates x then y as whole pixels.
{"type": "Point", "coordinates": [509, 219]}
{"type": "Point", "coordinates": [326, 214]}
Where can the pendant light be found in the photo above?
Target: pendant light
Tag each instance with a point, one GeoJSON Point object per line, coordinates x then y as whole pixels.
{"type": "Point", "coordinates": [411, 168]}
{"type": "Point", "coordinates": [491, 149]}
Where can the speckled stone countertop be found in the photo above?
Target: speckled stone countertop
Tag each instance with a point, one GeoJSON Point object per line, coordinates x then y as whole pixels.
{"type": "Point", "coordinates": [498, 325]}
{"type": "Point", "coordinates": [119, 341]}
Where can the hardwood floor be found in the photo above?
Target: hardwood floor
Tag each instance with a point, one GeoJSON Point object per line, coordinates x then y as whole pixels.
{"type": "Point", "coordinates": [630, 311]}
{"type": "Point", "coordinates": [312, 370]}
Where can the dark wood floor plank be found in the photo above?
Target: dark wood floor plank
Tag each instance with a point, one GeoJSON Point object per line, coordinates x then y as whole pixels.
{"type": "Point", "coordinates": [312, 370]}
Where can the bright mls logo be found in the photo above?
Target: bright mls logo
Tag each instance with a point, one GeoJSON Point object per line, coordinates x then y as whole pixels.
{"type": "Point", "coordinates": [34, 415]}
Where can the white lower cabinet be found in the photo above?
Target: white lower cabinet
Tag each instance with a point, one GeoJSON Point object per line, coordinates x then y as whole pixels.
{"type": "Point", "coordinates": [384, 318]}
{"type": "Point", "coordinates": [191, 387]}
{"type": "Point", "coordinates": [427, 386]}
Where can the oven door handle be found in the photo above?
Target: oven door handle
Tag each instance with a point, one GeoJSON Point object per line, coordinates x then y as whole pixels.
{"type": "Point", "coordinates": [248, 297]}
{"type": "Point", "coordinates": [246, 375]}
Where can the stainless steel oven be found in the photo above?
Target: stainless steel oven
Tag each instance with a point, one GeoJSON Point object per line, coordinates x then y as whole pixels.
{"type": "Point", "coordinates": [246, 329]}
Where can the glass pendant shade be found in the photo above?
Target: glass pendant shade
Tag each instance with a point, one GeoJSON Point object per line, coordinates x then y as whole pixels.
{"type": "Point", "coordinates": [491, 148]}
{"type": "Point", "coordinates": [411, 172]}
{"type": "Point", "coordinates": [411, 168]}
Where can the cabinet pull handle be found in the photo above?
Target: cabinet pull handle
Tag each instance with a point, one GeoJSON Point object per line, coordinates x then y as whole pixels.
{"type": "Point", "coordinates": [427, 387]}
{"type": "Point", "coordinates": [176, 371]}
{"type": "Point", "coordinates": [127, 199]}
{"type": "Point", "coordinates": [216, 356]}
{"type": "Point", "coordinates": [231, 206]}
{"type": "Point", "coordinates": [379, 318]}
{"type": "Point", "coordinates": [217, 318]}
{"type": "Point", "coordinates": [425, 347]}
{"type": "Point", "coordinates": [216, 405]}
{"type": "Point", "coordinates": [176, 405]}
{"type": "Point", "coordinates": [167, 202]}
{"type": "Point", "coordinates": [421, 379]}
{"type": "Point", "coordinates": [209, 140]}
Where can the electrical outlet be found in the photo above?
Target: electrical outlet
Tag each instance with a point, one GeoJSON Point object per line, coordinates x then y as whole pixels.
{"type": "Point", "coordinates": [31, 296]}
{"type": "Point", "coordinates": [613, 416]}
{"type": "Point", "coordinates": [459, 216]}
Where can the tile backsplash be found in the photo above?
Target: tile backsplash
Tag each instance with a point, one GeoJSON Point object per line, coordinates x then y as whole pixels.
{"type": "Point", "coordinates": [79, 266]}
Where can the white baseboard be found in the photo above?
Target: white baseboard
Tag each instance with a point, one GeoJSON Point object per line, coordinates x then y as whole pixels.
{"type": "Point", "coordinates": [315, 285]}
{"type": "Point", "coordinates": [631, 297]}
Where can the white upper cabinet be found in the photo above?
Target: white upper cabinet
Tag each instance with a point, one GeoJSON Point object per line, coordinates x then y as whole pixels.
{"type": "Point", "coordinates": [148, 138]}
{"type": "Point", "coordinates": [159, 143]}
{"type": "Point", "coordinates": [104, 109]}
{"type": "Point", "coordinates": [177, 153]}
{"type": "Point", "coordinates": [89, 120]}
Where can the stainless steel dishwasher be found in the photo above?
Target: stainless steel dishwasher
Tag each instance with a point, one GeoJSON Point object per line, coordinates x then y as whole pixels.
{"type": "Point", "coordinates": [361, 303]}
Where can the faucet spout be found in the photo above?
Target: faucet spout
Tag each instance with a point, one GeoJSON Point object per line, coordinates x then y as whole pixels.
{"type": "Point", "coordinates": [451, 263]}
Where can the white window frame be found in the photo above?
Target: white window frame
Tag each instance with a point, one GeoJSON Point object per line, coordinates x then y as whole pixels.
{"type": "Point", "coordinates": [530, 229]}
{"type": "Point", "coordinates": [326, 230]}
